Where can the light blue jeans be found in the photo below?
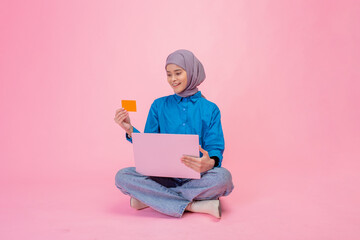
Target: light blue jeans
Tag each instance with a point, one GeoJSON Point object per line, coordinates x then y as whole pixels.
{"type": "Point", "coordinates": [170, 196]}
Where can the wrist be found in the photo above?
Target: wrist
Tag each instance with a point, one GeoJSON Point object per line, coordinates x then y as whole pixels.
{"type": "Point", "coordinates": [216, 161]}
{"type": "Point", "coordinates": [130, 131]}
{"type": "Point", "coordinates": [212, 163]}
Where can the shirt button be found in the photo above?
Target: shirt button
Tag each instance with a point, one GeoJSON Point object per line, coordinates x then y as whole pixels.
{"type": "Point", "coordinates": [183, 124]}
{"type": "Point", "coordinates": [184, 109]}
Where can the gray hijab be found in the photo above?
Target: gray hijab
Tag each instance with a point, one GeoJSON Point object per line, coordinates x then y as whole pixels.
{"type": "Point", "coordinates": [193, 67]}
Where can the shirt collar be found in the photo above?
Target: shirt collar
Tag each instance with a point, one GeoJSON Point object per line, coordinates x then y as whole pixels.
{"type": "Point", "coordinates": [192, 98]}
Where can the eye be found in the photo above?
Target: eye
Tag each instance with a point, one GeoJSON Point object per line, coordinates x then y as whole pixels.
{"type": "Point", "coordinates": [179, 73]}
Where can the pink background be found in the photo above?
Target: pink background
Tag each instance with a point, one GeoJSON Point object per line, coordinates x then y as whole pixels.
{"type": "Point", "coordinates": [285, 75]}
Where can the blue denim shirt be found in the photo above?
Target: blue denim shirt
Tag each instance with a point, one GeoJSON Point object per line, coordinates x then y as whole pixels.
{"type": "Point", "coordinates": [188, 115]}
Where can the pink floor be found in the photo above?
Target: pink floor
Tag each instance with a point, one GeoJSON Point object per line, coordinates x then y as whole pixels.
{"type": "Point", "coordinates": [285, 75]}
{"type": "Point", "coordinates": [276, 205]}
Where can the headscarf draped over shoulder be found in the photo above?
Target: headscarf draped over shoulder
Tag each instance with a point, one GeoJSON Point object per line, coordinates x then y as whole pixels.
{"type": "Point", "coordinates": [193, 67]}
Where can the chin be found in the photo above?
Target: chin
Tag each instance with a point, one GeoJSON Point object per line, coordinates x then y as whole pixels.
{"type": "Point", "coordinates": [179, 91]}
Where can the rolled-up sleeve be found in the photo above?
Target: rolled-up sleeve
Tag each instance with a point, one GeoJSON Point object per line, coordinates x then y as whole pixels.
{"type": "Point", "coordinates": [214, 138]}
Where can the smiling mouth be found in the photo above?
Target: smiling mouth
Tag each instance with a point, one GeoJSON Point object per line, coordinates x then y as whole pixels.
{"type": "Point", "coordinates": [175, 85]}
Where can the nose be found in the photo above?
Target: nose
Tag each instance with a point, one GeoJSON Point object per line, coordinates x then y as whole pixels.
{"type": "Point", "coordinates": [173, 78]}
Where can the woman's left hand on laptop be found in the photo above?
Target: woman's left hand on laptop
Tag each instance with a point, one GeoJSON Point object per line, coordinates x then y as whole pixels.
{"type": "Point", "coordinates": [200, 165]}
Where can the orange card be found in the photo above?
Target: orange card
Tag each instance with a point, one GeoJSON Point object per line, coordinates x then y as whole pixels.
{"type": "Point", "coordinates": [129, 105]}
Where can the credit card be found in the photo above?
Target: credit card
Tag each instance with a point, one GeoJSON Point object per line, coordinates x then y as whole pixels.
{"type": "Point", "coordinates": [129, 105]}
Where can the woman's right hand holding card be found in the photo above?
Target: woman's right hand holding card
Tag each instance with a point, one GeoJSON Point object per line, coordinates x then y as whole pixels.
{"type": "Point", "coordinates": [123, 119]}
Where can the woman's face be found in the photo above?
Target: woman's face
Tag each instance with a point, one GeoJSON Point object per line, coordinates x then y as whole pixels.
{"type": "Point", "coordinates": [176, 77]}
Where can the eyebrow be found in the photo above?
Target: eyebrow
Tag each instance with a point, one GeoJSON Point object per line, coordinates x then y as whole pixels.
{"type": "Point", "coordinates": [176, 70]}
